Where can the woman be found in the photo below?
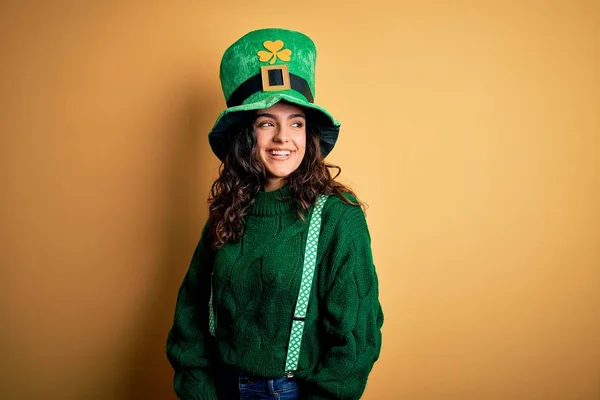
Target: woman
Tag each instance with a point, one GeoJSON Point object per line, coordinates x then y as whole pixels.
{"type": "Point", "coordinates": [275, 305]}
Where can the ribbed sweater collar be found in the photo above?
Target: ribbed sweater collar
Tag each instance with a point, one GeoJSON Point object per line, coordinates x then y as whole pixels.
{"type": "Point", "coordinates": [272, 203]}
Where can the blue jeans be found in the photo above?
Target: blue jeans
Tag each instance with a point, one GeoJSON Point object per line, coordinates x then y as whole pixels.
{"type": "Point", "coordinates": [238, 385]}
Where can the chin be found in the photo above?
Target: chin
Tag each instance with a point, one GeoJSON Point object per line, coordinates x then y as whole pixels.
{"type": "Point", "coordinates": [279, 174]}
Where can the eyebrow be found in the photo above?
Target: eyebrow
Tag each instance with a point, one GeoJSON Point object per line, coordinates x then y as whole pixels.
{"type": "Point", "coordinates": [274, 117]}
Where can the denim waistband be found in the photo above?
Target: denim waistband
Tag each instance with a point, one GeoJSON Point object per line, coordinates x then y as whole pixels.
{"type": "Point", "coordinates": [233, 382]}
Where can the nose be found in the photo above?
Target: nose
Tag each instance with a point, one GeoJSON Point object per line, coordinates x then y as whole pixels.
{"type": "Point", "coordinates": [282, 134]}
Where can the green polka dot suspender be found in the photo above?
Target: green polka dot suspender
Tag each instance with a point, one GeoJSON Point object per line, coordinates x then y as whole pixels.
{"type": "Point", "coordinates": [211, 310]}
{"type": "Point", "coordinates": [308, 271]}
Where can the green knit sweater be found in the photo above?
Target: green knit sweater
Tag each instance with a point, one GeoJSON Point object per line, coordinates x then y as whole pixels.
{"type": "Point", "coordinates": [256, 284]}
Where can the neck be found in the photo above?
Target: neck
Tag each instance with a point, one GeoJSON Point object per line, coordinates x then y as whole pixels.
{"type": "Point", "coordinates": [273, 184]}
{"type": "Point", "coordinates": [274, 202]}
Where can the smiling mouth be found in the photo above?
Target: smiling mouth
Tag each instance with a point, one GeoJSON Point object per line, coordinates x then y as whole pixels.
{"type": "Point", "coordinates": [280, 153]}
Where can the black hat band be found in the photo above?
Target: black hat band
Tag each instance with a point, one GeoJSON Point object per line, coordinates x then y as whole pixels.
{"type": "Point", "coordinates": [271, 78]}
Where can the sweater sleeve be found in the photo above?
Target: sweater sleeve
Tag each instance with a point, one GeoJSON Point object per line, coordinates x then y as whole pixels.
{"type": "Point", "coordinates": [188, 342]}
{"type": "Point", "coordinates": [352, 313]}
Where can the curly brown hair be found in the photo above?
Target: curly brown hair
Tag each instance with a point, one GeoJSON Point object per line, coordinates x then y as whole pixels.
{"type": "Point", "coordinates": [242, 176]}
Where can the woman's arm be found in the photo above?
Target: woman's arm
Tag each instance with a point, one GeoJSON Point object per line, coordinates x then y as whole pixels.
{"type": "Point", "coordinates": [351, 313]}
{"type": "Point", "coordinates": [188, 343]}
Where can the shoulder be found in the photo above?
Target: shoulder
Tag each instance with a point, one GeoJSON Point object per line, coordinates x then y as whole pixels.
{"type": "Point", "coordinates": [345, 214]}
{"type": "Point", "coordinates": [338, 206]}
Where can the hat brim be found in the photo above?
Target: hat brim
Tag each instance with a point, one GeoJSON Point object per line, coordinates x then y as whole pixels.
{"type": "Point", "coordinates": [220, 135]}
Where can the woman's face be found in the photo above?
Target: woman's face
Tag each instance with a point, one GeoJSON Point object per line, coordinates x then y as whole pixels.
{"type": "Point", "coordinates": [280, 141]}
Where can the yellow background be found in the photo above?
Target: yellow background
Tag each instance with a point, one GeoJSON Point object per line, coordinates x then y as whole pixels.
{"type": "Point", "coordinates": [470, 128]}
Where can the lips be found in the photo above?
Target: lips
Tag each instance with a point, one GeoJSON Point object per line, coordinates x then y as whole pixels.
{"type": "Point", "coordinates": [280, 152]}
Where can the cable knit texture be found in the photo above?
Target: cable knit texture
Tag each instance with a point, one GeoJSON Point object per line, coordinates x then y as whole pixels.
{"type": "Point", "coordinates": [256, 284]}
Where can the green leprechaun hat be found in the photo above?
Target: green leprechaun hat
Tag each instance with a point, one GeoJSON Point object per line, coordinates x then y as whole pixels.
{"type": "Point", "coordinates": [262, 68]}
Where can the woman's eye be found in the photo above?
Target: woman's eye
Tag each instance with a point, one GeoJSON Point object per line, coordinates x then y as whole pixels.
{"type": "Point", "coordinates": [264, 124]}
{"type": "Point", "coordinates": [297, 124]}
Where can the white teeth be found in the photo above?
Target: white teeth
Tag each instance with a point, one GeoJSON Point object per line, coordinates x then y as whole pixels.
{"type": "Point", "coordinates": [280, 152]}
